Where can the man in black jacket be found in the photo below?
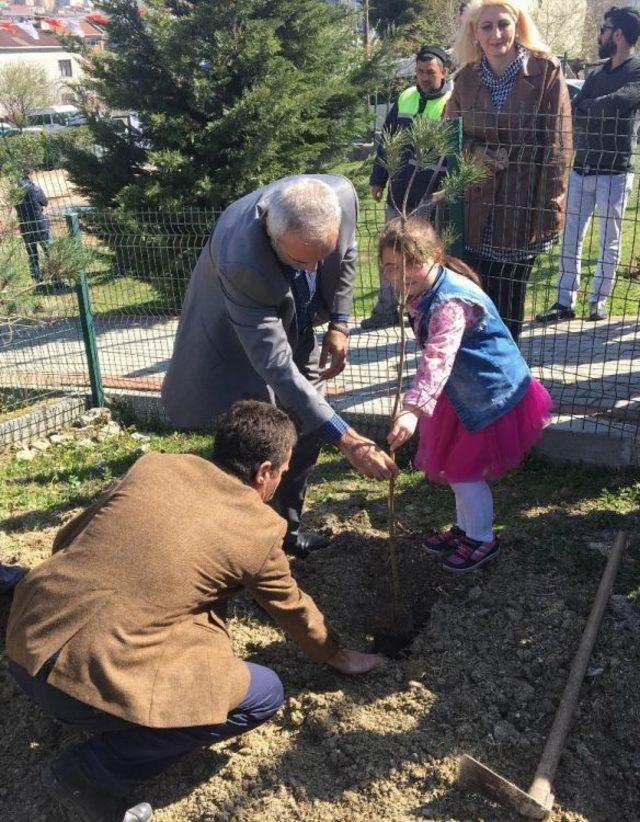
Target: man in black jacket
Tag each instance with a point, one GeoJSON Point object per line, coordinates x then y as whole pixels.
{"type": "Point", "coordinates": [427, 98]}
{"type": "Point", "coordinates": [34, 225]}
{"type": "Point", "coordinates": [602, 174]}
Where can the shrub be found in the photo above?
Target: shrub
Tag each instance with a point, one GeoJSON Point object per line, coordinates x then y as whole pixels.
{"type": "Point", "coordinates": [43, 151]}
{"type": "Point", "coordinates": [158, 247]}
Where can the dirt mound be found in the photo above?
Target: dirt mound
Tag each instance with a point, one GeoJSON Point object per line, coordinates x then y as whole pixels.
{"type": "Point", "coordinates": [483, 675]}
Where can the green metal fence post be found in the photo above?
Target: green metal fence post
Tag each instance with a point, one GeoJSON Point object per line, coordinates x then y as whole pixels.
{"type": "Point", "coordinates": [86, 320]}
{"type": "Point", "coordinates": [456, 211]}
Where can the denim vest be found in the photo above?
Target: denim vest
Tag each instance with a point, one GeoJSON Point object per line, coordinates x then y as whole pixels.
{"type": "Point", "coordinates": [489, 375]}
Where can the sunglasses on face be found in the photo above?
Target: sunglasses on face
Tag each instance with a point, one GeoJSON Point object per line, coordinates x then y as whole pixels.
{"type": "Point", "coordinates": [605, 28]}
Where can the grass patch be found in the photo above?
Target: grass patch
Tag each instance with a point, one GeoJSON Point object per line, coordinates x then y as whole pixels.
{"type": "Point", "coordinates": [37, 494]}
{"type": "Point", "coordinates": [560, 517]}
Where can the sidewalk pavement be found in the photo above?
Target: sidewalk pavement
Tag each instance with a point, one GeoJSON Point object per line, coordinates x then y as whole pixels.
{"type": "Point", "coordinates": [591, 369]}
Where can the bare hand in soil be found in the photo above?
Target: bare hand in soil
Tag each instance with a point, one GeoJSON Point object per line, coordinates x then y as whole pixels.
{"type": "Point", "coordinates": [403, 428]}
{"type": "Point", "coordinates": [355, 662]}
{"type": "Point", "coordinates": [334, 351]}
{"type": "Point", "coordinates": [366, 457]}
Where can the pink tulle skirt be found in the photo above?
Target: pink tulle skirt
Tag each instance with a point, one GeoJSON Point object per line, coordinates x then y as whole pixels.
{"type": "Point", "coordinates": [447, 452]}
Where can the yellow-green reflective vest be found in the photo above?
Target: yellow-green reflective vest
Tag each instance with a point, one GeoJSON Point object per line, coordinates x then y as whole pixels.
{"type": "Point", "coordinates": [409, 102]}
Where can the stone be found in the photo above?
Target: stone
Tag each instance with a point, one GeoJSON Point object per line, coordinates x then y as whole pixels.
{"type": "Point", "coordinates": [25, 455]}
{"type": "Point", "coordinates": [141, 437]}
{"type": "Point", "coordinates": [86, 443]}
{"type": "Point", "coordinates": [112, 427]}
{"type": "Point", "coordinates": [59, 439]}
{"type": "Point", "coordinates": [92, 417]}
{"type": "Point", "coordinates": [41, 445]}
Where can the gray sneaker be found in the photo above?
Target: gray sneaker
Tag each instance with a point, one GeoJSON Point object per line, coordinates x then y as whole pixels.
{"type": "Point", "coordinates": [380, 321]}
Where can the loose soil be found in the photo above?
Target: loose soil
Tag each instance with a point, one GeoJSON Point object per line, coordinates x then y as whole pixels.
{"type": "Point", "coordinates": [484, 675]}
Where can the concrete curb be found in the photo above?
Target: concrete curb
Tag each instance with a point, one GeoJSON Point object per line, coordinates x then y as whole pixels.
{"type": "Point", "coordinates": [41, 420]}
{"type": "Point", "coordinates": [560, 443]}
{"type": "Point", "coordinates": [565, 441]}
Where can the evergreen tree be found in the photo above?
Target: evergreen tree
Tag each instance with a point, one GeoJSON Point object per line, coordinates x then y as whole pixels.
{"type": "Point", "coordinates": [231, 94]}
{"type": "Point", "coordinates": [413, 23]}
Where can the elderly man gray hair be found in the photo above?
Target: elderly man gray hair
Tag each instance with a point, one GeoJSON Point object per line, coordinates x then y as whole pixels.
{"type": "Point", "coordinates": [306, 206]}
{"type": "Point", "coordinates": [279, 261]}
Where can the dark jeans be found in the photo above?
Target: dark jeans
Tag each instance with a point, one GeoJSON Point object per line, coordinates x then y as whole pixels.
{"type": "Point", "coordinates": [123, 754]}
{"type": "Point", "coordinates": [289, 497]}
{"type": "Point", "coordinates": [506, 285]}
{"type": "Point", "coordinates": [34, 235]}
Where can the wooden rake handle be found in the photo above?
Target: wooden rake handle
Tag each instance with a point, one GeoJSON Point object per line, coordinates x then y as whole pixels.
{"type": "Point", "coordinates": [541, 787]}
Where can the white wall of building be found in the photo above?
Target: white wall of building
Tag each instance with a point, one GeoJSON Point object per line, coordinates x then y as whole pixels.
{"type": "Point", "coordinates": [50, 59]}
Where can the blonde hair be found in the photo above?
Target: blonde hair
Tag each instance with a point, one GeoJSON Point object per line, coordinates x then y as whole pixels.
{"type": "Point", "coordinates": [466, 48]}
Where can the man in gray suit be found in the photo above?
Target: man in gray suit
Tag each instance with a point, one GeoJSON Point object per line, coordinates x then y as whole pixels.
{"type": "Point", "coordinates": [279, 261]}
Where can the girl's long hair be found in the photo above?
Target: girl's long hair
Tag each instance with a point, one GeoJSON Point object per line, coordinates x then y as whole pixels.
{"type": "Point", "coordinates": [419, 243]}
{"type": "Point", "coordinates": [466, 48]}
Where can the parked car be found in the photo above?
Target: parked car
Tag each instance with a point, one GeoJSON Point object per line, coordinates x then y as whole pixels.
{"type": "Point", "coordinates": [8, 129]}
{"type": "Point", "coordinates": [53, 118]}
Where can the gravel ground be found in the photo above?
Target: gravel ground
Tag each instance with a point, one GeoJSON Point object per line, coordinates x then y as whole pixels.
{"type": "Point", "coordinates": [483, 676]}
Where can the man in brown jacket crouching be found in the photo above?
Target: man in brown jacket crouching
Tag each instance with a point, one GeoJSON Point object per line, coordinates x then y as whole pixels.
{"type": "Point", "coordinates": [122, 631]}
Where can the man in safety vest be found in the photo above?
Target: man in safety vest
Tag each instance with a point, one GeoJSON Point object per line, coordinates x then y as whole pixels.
{"type": "Point", "coordinates": [426, 99]}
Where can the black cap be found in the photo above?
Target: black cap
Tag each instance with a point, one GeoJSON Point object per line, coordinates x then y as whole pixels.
{"type": "Point", "coordinates": [432, 51]}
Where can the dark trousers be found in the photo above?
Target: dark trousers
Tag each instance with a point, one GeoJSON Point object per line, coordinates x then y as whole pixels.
{"type": "Point", "coordinates": [289, 497]}
{"type": "Point", "coordinates": [506, 285]}
{"type": "Point", "coordinates": [34, 235]}
{"type": "Point", "coordinates": [122, 754]}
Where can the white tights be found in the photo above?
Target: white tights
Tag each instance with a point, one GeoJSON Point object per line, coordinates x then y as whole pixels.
{"type": "Point", "coordinates": [474, 509]}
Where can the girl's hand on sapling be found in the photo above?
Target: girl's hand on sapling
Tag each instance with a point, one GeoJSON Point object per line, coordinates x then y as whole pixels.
{"type": "Point", "coordinates": [403, 427]}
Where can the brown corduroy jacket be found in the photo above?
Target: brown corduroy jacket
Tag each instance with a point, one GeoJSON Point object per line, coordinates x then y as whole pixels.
{"type": "Point", "coordinates": [526, 201]}
{"type": "Point", "coordinates": [133, 599]}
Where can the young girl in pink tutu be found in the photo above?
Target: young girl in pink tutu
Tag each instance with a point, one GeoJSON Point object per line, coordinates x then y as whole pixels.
{"type": "Point", "coordinates": [473, 399]}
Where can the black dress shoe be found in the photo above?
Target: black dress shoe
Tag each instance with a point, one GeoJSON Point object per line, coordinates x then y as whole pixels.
{"type": "Point", "coordinates": [65, 781]}
{"type": "Point", "coordinates": [304, 543]}
{"type": "Point", "coordinates": [556, 314]}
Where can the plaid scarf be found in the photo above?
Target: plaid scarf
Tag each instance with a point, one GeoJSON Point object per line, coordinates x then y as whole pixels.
{"type": "Point", "coordinates": [500, 87]}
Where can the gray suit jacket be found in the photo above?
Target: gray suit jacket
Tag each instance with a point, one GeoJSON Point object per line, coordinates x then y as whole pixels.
{"type": "Point", "coordinates": [238, 322]}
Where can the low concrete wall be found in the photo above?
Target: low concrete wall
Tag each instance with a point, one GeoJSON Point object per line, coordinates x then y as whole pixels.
{"type": "Point", "coordinates": [564, 441]}
{"type": "Point", "coordinates": [41, 420]}
{"type": "Point", "coordinates": [560, 443]}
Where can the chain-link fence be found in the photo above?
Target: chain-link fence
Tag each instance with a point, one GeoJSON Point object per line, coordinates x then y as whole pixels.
{"type": "Point", "coordinates": [91, 305]}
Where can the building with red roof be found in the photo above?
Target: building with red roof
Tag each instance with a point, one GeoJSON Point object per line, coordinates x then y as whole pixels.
{"type": "Point", "coordinates": [44, 49]}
